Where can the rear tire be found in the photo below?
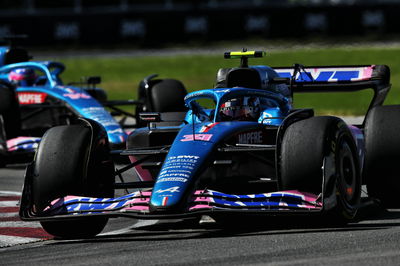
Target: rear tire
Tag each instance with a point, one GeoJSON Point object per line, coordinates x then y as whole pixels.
{"type": "Point", "coordinates": [70, 162]}
{"type": "Point", "coordinates": [163, 95]}
{"type": "Point", "coordinates": [168, 96]}
{"type": "Point", "coordinates": [321, 147]}
{"type": "Point", "coordinates": [382, 157]}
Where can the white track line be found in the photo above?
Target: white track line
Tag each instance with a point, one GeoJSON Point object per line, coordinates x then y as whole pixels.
{"type": "Point", "coordinates": [8, 214]}
{"type": "Point", "coordinates": [6, 241]}
{"type": "Point", "coordinates": [8, 193]}
{"type": "Point", "coordinates": [13, 203]}
{"type": "Point", "coordinates": [20, 224]}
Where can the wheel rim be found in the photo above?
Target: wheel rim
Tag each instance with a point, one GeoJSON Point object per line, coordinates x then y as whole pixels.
{"type": "Point", "coordinates": [347, 173]}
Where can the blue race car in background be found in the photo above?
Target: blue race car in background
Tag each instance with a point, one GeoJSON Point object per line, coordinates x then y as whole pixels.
{"type": "Point", "coordinates": [45, 101]}
{"type": "Point", "coordinates": [242, 149]}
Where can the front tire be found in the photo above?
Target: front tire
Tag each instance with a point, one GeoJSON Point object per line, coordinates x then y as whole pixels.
{"type": "Point", "coordinates": [318, 148]}
{"type": "Point", "coordinates": [69, 161]}
{"type": "Point", "coordinates": [9, 110]}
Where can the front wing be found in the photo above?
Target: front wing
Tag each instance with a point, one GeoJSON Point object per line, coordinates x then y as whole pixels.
{"type": "Point", "coordinates": [136, 205]}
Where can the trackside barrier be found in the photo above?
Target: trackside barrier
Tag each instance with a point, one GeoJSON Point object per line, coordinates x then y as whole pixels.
{"type": "Point", "coordinates": [154, 28]}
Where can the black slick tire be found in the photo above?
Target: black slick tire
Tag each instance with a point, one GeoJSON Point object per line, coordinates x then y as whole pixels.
{"type": "Point", "coordinates": [167, 96]}
{"type": "Point", "coordinates": [317, 148]}
{"type": "Point", "coordinates": [69, 162]}
{"type": "Point", "coordinates": [382, 154]}
{"type": "Point", "coordinates": [9, 110]}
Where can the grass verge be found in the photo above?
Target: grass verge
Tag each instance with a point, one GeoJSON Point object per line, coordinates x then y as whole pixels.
{"type": "Point", "coordinates": [121, 75]}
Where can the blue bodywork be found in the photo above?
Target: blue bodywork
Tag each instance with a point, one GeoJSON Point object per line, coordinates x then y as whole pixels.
{"type": "Point", "coordinates": [197, 141]}
{"type": "Point", "coordinates": [77, 99]}
{"type": "Point", "coordinates": [203, 137]}
{"type": "Point", "coordinates": [3, 52]}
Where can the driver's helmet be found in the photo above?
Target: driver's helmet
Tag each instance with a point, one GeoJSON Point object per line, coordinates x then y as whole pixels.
{"type": "Point", "coordinates": [242, 109]}
{"type": "Point", "coordinates": [22, 76]}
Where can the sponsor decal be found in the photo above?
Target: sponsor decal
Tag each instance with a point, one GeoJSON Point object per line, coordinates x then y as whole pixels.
{"type": "Point", "coordinates": [250, 138]}
{"type": "Point", "coordinates": [223, 91]}
{"type": "Point", "coordinates": [118, 130]}
{"type": "Point", "coordinates": [194, 95]}
{"type": "Point", "coordinates": [67, 31]}
{"type": "Point", "coordinates": [171, 190]}
{"type": "Point", "coordinates": [76, 96]}
{"type": "Point", "coordinates": [164, 201]}
{"type": "Point", "coordinates": [178, 168]}
{"type": "Point", "coordinates": [191, 137]}
{"type": "Point", "coordinates": [174, 174]}
{"type": "Point", "coordinates": [100, 115]}
{"type": "Point", "coordinates": [264, 118]}
{"type": "Point", "coordinates": [330, 74]}
{"type": "Point", "coordinates": [198, 24]}
{"type": "Point", "coordinates": [31, 97]}
{"type": "Point", "coordinates": [206, 128]}
{"type": "Point", "coordinates": [194, 157]}
{"type": "Point", "coordinates": [173, 179]}
{"type": "Point", "coordinates": [69, 90]}
{"type": "Point", "coordinates": [133, 28]}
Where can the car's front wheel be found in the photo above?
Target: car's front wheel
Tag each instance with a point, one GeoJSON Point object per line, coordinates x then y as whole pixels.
{"type": "Point", "coordinates": [69, 161]}
{"type": "Point", "coordinates": [319, 155]}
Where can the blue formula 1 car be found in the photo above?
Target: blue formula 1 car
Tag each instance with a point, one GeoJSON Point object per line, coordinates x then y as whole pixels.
{"type": "Point", "coordinates": [45, 101]}
{"type": "Point", "coordinates": [241, 149]}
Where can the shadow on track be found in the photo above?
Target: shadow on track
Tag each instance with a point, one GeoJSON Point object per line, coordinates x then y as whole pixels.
{"type": "Point", "coordinates": [244, 226]}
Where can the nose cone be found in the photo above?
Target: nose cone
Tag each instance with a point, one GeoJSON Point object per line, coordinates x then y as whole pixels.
{"type": "Point", "coordinates": [178, 175]}
{"type": "Point", "coordinates": [190, 153]}
{"type": "Point", "coordinates": [183, 165]}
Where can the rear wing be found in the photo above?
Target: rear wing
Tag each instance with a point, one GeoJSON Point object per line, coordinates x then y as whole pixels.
{"type": "Point", "coordinates": [338, 79]}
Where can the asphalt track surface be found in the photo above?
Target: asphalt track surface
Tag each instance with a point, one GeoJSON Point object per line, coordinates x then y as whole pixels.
{"type": "Point", "coordinates": [374, 240]}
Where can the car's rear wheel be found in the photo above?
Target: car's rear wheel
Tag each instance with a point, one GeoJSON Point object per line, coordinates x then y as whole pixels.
{"type": "Point", "coordinates": [163, 95]}
{"type": "Point", "coordinates": [319, 155]}
{"type": "Point", "coordinates": [70, 161]}
{"type": "Point", "coordinates": [167, 96]}
{"type": "Point", "coordinates": [382, 145]}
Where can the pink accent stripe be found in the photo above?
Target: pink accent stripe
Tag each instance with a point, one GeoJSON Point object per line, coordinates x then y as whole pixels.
{"type": "Point", "coordinates": [208, 127]}
{"type": "Point", "coordinates": [200, 206]}
{"type": "Point", "coordinates": [198, 192]}
{"type": "Point", "coordinates": [137, 208]}
{"type": "Point", "coordinates": [16, 76]}
{"type": "Point", "coordinates": [367, 72]}
{"type": "Point", "coordinates": [25, 232]}
{"type": "Point", "coordinates": [143, 174]}
{"type": "Point", "coordinates": [307, 196]}
{"type": "Point", "coordinates": [12, 143]}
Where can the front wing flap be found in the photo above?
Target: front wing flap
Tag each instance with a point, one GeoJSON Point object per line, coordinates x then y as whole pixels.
{"type": "Point", "coordinates": [136, 204]}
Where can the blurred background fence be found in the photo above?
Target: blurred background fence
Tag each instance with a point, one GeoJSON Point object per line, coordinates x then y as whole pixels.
{"type": "Point", "coordinates": [156, 22]}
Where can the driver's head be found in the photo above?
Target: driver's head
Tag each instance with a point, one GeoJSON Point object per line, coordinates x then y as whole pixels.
{"type": "Point", "coordinates": [22, 76]}
{"type": "Point", "coordinates": [242, 109]}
